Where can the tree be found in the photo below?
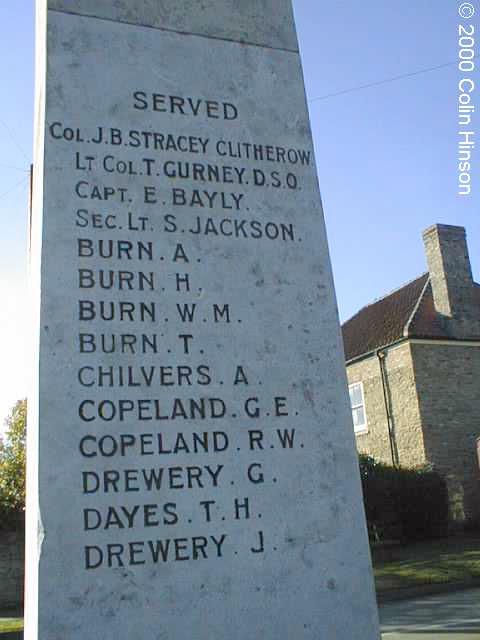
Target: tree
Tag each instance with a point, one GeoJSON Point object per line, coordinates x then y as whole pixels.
{"type": "Point", "coordinates": [12, 462]}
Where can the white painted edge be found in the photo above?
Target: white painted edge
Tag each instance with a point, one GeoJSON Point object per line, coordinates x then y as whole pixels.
{"type": "Point", "coordinates": [34, 530]}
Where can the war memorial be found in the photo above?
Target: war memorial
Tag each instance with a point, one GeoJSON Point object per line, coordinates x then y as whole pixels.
{"type": "Point", "coordinates": [192, 469]}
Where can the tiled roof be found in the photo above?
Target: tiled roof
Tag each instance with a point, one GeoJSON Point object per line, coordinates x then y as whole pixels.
{"type": "Point", "coordinates": [382, 322]}
{"type": "Point", "coordinates": [426, 321]}
{"type": "Point", "coordinates": [387, 320]}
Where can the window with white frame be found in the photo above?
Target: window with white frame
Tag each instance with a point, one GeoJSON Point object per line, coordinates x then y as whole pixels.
{"type": "Point", "coordinates": [357, 402]}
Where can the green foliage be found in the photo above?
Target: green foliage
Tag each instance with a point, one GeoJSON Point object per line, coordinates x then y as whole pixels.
{"type": "Point", "coordinates": [12, 464]}
{"type": "Point", "coordinates": [452, 560]}
{"type": "Point", "coordinates": [405, 504]}
{"type": "Point", "coordinates": [10, 625]}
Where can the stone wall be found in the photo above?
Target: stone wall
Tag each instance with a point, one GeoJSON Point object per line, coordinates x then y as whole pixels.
{"type": "Point", "coordinates": [451, 279]}
{"type": "Point", "coordinates": [11, 569]}
{"type": "Point", "coordinates": [448, 383]}
{"type": "Point", "coordinates": [402, 397]}
{"type": "Point", "coordinates": [434, 394]}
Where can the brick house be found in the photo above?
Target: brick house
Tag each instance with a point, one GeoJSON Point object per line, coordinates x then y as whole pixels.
{"type": "Point", "coordinates": [413, 368]}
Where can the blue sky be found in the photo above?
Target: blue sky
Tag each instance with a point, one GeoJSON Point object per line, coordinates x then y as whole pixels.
{"type": "Point", "coordinates": [386, 155]}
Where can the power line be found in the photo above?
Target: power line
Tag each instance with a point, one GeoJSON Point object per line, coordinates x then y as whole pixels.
{"type": "Point", "coordinates": [9, 166]}
{"type": "Point", "coordinates": [5, 193]}
{"type": "Point", "coordinates": [379, 82]}
{"type": "Point", "coordinates": [15, 140]}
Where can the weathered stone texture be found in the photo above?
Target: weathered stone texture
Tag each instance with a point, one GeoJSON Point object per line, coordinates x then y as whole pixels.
{"type": "Point", "coordinates": [12, 558]}
{"type": "Point", "coordinates": [296, 552]}
{"type": "Point", "coordinates": [266, 23]}
{"type": "Point", "coordinates": [448, 383]}
{"type": "Point", "coordinates": [402, 397]}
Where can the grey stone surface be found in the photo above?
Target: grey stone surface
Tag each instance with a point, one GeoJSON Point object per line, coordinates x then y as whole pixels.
{"type": "Point", "coordinates": [189, 558]}
{"type": "Point", "coordinates": [261, 22]}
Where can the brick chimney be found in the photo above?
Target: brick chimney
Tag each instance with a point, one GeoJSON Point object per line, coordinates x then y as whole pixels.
{"type": "Point", "coordinates": [451, 280]}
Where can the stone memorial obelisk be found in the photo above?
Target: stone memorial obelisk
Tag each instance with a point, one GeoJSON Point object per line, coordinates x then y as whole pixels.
{"type": "Point", "coordinates": [192, 469]}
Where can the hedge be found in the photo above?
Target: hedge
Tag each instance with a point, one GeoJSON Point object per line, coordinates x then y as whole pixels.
{"type": "Point", "coordinates": [403, 504]}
